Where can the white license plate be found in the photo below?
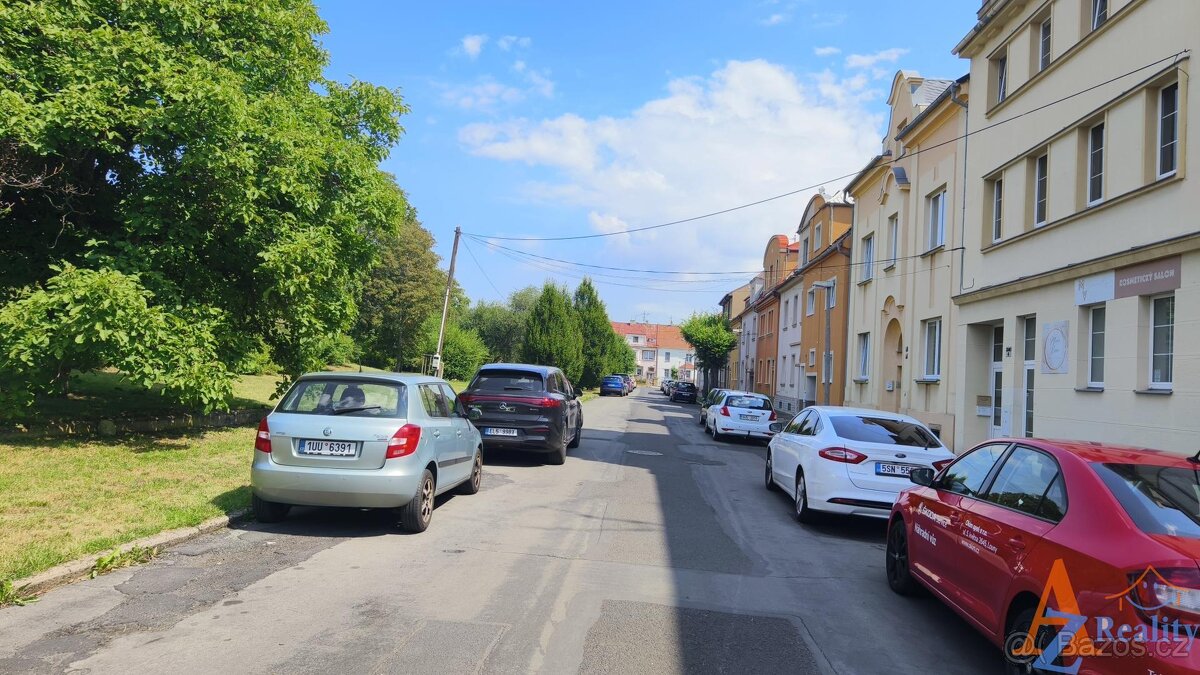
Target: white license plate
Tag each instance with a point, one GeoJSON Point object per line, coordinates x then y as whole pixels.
{"type": "Point", "coordinates": [329, 448]}
{"type": "Point", "coordinates": [490, 431]}
{"type": "Point", "coordinates": [883, 469]}
{"type": "Point", "coordinates": [752, 418]}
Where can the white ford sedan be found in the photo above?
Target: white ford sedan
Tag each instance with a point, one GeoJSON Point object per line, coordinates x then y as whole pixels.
{"type": "Point", "coordinates": [849, 461]}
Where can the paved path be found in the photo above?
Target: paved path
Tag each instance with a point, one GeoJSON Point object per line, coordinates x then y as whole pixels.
{"type": "Point", "coordinates": [653, 550]}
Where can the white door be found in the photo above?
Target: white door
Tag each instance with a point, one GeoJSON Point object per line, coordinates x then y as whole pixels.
{"type": "Point", "coordinates": [996, 383]}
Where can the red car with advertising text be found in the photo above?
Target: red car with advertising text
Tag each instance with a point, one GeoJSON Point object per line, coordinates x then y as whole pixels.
{"type": "Point", "coordinates": [1073, 557]}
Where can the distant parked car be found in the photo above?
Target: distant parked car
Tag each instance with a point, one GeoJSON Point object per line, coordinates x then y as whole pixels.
{"type": "Point", "coordinates": [708, 400]}
{"type": "Point", "coordinates": [378, 440]}
{"type": "Point", "coordinates": [741, 413]}
{"type": "Point", "coordinates": [631, 382]}
{"type": "Point", "coordinates": [850, 460]}
{"type": "Point", "coordinates": [525, 407]}
{"type": "Point", "coordinates": [665, 386]}
{"type": "Point", "coordinates": [684, 392]}
{"type": "Point", "coordinates": [613, 384]}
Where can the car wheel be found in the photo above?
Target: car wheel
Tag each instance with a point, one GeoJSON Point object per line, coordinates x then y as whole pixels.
{"type": "Point", "coordinates": [770, 475]}
{"type": "Point", "coordinates": [471, 486]}
{"type": "Point", "coordinates": [416, 514]}
{"type": "Point", "coordinates": [268, 512]}
{"type": "Point", "coordinates": [1014, 639]}
{"type": "Point", "coordinates": [803, 513]}
{"type": "Point", "coordinates": [578, 435]}
{"type": "Point", "coordinates": [559, 455]}
{"type": "Point", "coordinates": [899, 574]}
{"type": "Point", "coordinates": [715, 434]}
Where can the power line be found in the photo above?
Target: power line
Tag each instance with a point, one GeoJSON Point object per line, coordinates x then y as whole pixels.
{"type": "Point", "coordinates": [484, 240]}
{"type": "Point", "coordinates": [814, 186]}
{"type": "Point", "coordinates": [481, 271]}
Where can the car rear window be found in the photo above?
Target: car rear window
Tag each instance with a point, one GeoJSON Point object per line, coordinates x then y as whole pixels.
{"type": "Point", "coordinates": [749, 402]}
{"type": "Point", "coordinates": [687, 386]}
{"type": "Point", "coordinates": [614, 380]}
{"type": "Point", "coordinates": [866, 429]}
{"type": "Point", "coordinates": [346, 397]}
{"type": "Point", "coordinates": [497, 379]}
{"type": "Point", "coordinates": [1159, 499]}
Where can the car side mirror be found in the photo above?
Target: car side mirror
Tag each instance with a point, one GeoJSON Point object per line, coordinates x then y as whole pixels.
{"type": "Point", "coordinates": [921, 476]}
{"type": "Point", "coordinates": [776, 427]}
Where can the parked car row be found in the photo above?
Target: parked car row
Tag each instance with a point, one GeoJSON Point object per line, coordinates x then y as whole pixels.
{"type": "Point", "coordinates": [388, 440]}
{"type": "Point", "coordinates": [621, 385]}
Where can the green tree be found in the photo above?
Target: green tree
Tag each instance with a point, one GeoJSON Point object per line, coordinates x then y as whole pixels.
{"type": "Point", "coordinates": [619, 355]}
{"type": "Point", "coordinates": [462, 350]}
{"type": "Point", "coordinates": [712, 338]}
{"type": "Point", "coordinates": [552, 333]}
{"type": "Point", "coordinates": [597, 332]}
{"type": "Point", "coordinates": [502, 325]}
{"type": "Point", "coordinates": [196, 146]}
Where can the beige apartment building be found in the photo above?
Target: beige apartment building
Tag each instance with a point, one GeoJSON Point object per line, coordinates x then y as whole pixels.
{"type": "Point", "coordinates": [908, 216]}
{"type": "Point", "coordinates": [732, 306]}
{"type": "Point", "coordinates": [1077, 313]}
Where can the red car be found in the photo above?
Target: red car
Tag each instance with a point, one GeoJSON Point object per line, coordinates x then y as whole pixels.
{"type": "Point", "coordinates": [1073, 557]}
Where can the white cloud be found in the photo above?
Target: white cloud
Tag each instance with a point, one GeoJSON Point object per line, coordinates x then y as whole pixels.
{"type": "Point", "coordinates": [485, 95]}
{"type": "Point", "coordinates": [519, 66]}
{"type": "Point", "coordinates": [472, 45]}
{"type": "Point", "coordinates": [749, 130]}
{"type": "Point", "coordinates": [870, 60]}
{"type": "Point", "coordinates": [509, 41]}
{"type": "Point", "coordinates": [826, 51]}
{"type": "Point", "coordinates": [775, 19]}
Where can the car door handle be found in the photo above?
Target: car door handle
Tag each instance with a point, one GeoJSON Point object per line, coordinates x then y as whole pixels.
{"type": "Point", "coordinates": [459, 433]}
{"type": "Point", "coordinates": [1017, 542]}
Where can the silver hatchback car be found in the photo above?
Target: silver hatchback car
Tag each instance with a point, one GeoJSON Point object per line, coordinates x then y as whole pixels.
{"type": "Point", "coordinates": [365, 440]}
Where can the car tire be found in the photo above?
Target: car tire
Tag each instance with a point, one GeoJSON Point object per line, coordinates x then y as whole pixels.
{"type": "Point", "coordinates": [1014, 637]}
{"type": "Point", "coordinates": [471, 485]}
{"type": "Point", "coordinates": [578, 435]}
{"type": "Point", "coordinates": [558, 456]}
{"type": "Point", "coordinates": [268, 512]}
{"type": "Point", "coordinates": [804, 514]}
{"type": "Point", "coordinates": [769, 475]}
{"type": "Point", "coordinates": [897, 567]}
{"type": "Point", "coordinates": [717, 436]}
{"type": "Point", "coordinates": [418, 512]}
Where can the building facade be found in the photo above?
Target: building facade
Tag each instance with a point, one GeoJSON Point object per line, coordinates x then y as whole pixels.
{"type": "Point", "coordinates": [824, 276]}
{"type": "Point", "coordinates": [789, 391]}
{"type": "Point", "coordinates": [779, 260]}
{"type": "Point", "coordinates": [658, 349]}
{"type": "Point", "coordinates": [1081, 284]}
{"type": "Point", "coordinates": [732, 306]}
{"type": "Point", "coordinates": [908, 220]}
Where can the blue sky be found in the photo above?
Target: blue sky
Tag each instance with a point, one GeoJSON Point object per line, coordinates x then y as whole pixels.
{"type": "Point", "coordinates": [541, 119]}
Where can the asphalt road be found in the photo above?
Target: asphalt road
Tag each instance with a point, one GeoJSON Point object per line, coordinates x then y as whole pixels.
{"type": "Point", "coordinates": [653, 550]}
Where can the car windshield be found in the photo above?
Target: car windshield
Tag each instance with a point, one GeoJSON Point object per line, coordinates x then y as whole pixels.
{"type": "Point", "coordinates": [497, 379]}
{"type": "Point", "coordinates": [748, 402]}
{"type": "Point", "coordinates": [346, 398]}
{"type": "Point", "coordinates": [1159, 499]}
{"type": "Point", "coordinates": [867, 429]}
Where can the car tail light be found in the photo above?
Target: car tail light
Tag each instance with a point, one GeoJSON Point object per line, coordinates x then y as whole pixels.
{"type": "Point", "coordinates": [549, 402]}
{"type": "Point", "coordinates": [1173, 591]}
{"type": "Point", "coordinates": [725, 411]}
{"type": "Point", "coordinates": [843, 455]}
{"type": "Point", "coordinates": [262, 441]}
{"type": "Point", "coordinates": [773, 416]}
{"type": "Point", "coordinates": [941, 464]}
{"type": "Point", "coordinates": [404, 441]}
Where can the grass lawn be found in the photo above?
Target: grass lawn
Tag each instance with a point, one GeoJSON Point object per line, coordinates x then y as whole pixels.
{"type": "Point", "coordinates": [67, 498]}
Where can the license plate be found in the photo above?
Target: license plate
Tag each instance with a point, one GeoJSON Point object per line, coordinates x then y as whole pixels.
{"type": "Point", "coordinates": [329, 448]}
{"type": "Point", "coordinates": [883, 469]}
{"type": "Point", "coordinates": [490, 431]}
{"type": "Point", "coordinates": [752, 418]}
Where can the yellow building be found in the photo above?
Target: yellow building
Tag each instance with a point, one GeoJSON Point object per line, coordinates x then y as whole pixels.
{"type": "Point", "coordinates": [1078, 306]}
{"type": "Point", "coordinates": [907, 232]}
{"type": "Point", "coordinates": [732, 306]}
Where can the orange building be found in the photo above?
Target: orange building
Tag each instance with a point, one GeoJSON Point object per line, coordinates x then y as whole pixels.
{"type": "Point", "coordinates": [824, 261]}
{"type": "Point", "coordinates": [780, 258]}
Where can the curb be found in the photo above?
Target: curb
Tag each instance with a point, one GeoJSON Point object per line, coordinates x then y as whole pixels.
{"type": "Point", "coordinates": [76, 570]}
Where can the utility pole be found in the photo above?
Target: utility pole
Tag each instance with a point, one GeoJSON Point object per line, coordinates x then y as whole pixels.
{"type": "Point", "coordinates": [437, 357]}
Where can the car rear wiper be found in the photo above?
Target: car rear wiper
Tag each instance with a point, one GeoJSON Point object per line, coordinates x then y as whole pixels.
{"type": "Point", "coordinates": [342, 411]}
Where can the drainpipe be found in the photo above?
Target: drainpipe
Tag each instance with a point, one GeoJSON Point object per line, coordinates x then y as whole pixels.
{"type": "Point", "coordinates": [962, 224]}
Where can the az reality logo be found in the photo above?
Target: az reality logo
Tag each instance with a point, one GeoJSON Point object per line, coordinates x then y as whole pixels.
{"type": "Point", "coordinates": [1070, 636]}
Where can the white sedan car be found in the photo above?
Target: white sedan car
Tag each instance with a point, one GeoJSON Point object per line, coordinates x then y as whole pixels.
{"type": "Point", "coordinates": [849, 460]}
{"type": "Point", "coordinates": [742, 414]}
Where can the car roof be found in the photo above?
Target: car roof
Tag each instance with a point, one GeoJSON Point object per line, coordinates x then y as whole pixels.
{"type": "Point", "coordinates": [840, 410]}
{"type": "Point", "coordinates": [739, 392]}
{"type": "Point", "coordinates": [518, 366]}
{"type": "Point", "coordinates": [402, 378]}
{"type": "Point", "coordinates": [1105, 453]}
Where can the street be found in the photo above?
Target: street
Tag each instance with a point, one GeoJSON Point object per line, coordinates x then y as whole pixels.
{"type": "Point", "coordinates": [653, 550]}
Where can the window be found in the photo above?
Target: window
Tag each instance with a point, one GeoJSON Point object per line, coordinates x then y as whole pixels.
{"type": "Point", "coordinates": [812, 302]}
{"type": "Point", "coordinates": [1095, 164]}
{"type": "Point", "coordinates": [1099, 13]}
{"type": "Point", "coordinates": [805, 249]}
{"type": "Point", "coordinates": [867, 429]}
{"type": "Point", "coordinates": [795, 308]}
{"type": "Point", "coordinates": [1001, 66]}
{"type": "Point", "coordinates": [932, 332]}
{"type": "Point", "coordinates": [997, 210]}
{"type": "Point", "coordinates": [868, 259]}
{"type": "Point", "coordinates": [1044, 45]}
{"type": "Point", "coordinates": [937, 220]}
{"type": "Point", "coordinates": [1023, 483]}
{"type": "Point", "coordinates": [451, 398]}
{"type": "Point", "coordinates": [812, 357]}
{"type": "Point", "coordinates": [816, 237]}
{"type": "Point", "coordinates": [786, 306]}
{"type": "Point", "coordinates": [893, 239]}
{"type": "Point", "coordinates": [434, 401]}
{"type": "Point", "coordinates": [864, 355]}
{"type": "Point", "coordinates": [1040, 170]}
{"type": "Point", "coordinates": [667, 356]}
{"type": "Point", "coordinates": [1168, 129]}
{"type": "Point", "coordinates": [497, 379]}
{"type": "Point", "coordinates": [1029, 347]}
{"type": "Point", "coordinates": [1030, 354]}
{"type": "Point", "coordinates": [634, 339]}
{"type": "Point", "coordinates": [1096, 319]}
{"type": "Point", "coordinates": [831, 294]}
{"type": "Point", "coordinates": [1159, 499]}
{"type": "Point", "coordinates": [350, 398]}
{"type": "Point", "coordinates": [647, 355]}
{"type": "Point", "coordinates": [1162, 341]}
{"type": "Point", "coordinates": [967, 475]}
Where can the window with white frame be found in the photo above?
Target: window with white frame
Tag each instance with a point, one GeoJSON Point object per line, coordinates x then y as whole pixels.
{"type": "Point", "coordinates": [831, 294]}
{"type": "Point", "coordinates": [997, 209]}
{"type": "Point", "coordinates": [1044, 39]}
{"type": "Point", "coordinates": [931, 330]}
{"type": "Point", "coordinates": [1041, 169]}
{"type": "Point", "coordinates": [864, 355]}
{"type": "Point", "coordinates": [1168, 129]}
{"type": "Point", "coordinates": [1000, 66]}
{"type": "Point", "coordinates": [812, 302]}
{"type": "Point", "coordinates": [812, 358]}
{"type": "Point", "coordinates": [647, 355]}
{"type": "Point", "coordinates": [893, 238]}
{"type": "Point", "coordinates": [795, 308]}
{"type": "Point", "coordinates": [786, 306]}
{"type": "Point", "coordinates": [667, 357]}
{"type": "Point", "coordinates": [868, 257]}
{"type": "Point", "coordinates": [635, 339]}
{"type": "Point", "coordinates": [816, 237]}
{"type": "Point", "coordinates": [1162, 341]}
{"type": "Point", "coordinates": [805, 249]}
{"type": "Point", "coordinates": [1095, 191]}
{"type": "Point", "coordinates": [936, 232]}
{"type": "Point", "coordinates": [1097, 316]}
{"type": "Point", "coordinates": [1099, 13]}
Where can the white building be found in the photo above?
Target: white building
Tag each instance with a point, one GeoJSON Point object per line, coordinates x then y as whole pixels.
{"type": "Point", "coordinates": [658, 349]}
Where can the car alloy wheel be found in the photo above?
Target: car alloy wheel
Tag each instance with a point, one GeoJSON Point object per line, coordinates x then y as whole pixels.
{"type": "Point", "coordinates": [416, 514]}
{"type": "Point", "coordinates": [803, 513]}
{"type": "Point", "coordinates": [770, 474]}
{"type": "Point", "coordinates": [899, 576]}
{"type": "Point", "coordinates": [427, 498]}
{"type": "Point", "coordinates": [1018, 631]}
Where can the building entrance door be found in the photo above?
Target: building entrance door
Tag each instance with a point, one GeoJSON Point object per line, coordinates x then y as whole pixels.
{"type": "Point", "coordinates": [996, 381]}
{"type": "Point", "coordinates": [893, 367]}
